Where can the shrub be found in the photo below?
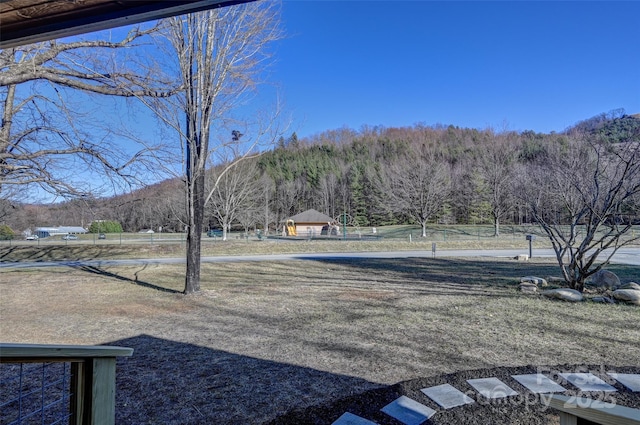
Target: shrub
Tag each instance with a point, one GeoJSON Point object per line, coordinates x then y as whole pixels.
{"type": "Point", "coordinates": [6, 233]}
{"type": "Point", "coordinates": [105, 226]}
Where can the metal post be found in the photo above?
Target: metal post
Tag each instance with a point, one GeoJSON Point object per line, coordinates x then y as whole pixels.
{"type": "Point", "coordinates": [344, 226]}
{"type": "Point", "coordinates": [530, 238]}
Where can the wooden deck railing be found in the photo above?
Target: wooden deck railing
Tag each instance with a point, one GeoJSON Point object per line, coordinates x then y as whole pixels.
{"type": "Point", "coordinates": [93, 376]}
{"type": "Point", "coordinates": [577, 410]}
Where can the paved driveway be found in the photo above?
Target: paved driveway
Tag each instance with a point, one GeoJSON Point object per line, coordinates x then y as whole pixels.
{"type": "Point", "coordinates": [630, 256]}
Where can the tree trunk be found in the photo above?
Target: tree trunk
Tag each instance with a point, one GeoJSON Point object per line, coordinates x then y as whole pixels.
{"type": "Point", "coordinates": [195, 189]}
{"type": "Point", "coordinates": [496, 225]}
{"type": "Point", "coordinates": [424, 229]}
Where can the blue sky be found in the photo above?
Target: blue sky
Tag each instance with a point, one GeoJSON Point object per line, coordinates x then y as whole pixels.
{"type": "Point", "coordinates": [513, 65]}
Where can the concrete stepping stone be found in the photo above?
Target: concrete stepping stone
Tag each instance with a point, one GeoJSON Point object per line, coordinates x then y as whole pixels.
{"type": "Point", "coordinates": [408, 411]}
{"type": "Point", "coordinates": [492, 387]}
{"type": "Point", "coordinates": [587, 382]}
{"type": "Point", "coordinates": [538, 383]}
{"type": "Point", "coordinates": [447, 396]}
{"type": "Point", "coordinates": [351, 419]}
{"type": "Point", "coordinates": [629, 380]}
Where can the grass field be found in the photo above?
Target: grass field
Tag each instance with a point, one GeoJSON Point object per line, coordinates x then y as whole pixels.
{"type": "Point", "coordinates": [389, 238]}
{"type": "Point", "coordinates": [266, 337]}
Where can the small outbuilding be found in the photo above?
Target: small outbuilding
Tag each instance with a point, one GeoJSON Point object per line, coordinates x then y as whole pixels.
{"type": "Point", "coordinates": [45, 232]}
{"type": "Point", "coordinates": [310, 223]}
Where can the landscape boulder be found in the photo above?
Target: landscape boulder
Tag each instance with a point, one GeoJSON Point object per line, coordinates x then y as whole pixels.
{"type": "Point", "coordinates": [604, 279]}
{"type": "Point", "coordinates": [630, 296]}
{"type": "Point", "coordinates": [521, 257]}
{"type": "Point", "coordinates": [564, 294]}
{"type": "Point", "coordinates": [631, 285]}
{"type": "Point", "coordinates": [555, 279]}
{"type": "Point", "coordinates": [533, 279]}
{"type": "Point", "coordinates": [603, 299]}
{"type": "Point", "coordinates": [528, 287]}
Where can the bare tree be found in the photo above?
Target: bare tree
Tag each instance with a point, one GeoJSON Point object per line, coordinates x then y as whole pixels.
{"type": "Point", "coordinates": [419, 185]}
{"type": "Point", "coordinates": [268, 190]}
{"type": "Point", "coordinates": [46, 138]}
{"type": "Point", "coordinates": [234, 194]}
{"type": "Point", "coordinates": [578, 194]}
{"type": "Point", "coordinates": [219, 55]}
{"type": "Point", "coordinates": [327, 193]}
{"type": "Point", "coordinates": [497, 169]}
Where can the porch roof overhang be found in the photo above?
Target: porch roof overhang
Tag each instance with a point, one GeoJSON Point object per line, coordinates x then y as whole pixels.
{"type": "Point", "coordinates": [31, 21]}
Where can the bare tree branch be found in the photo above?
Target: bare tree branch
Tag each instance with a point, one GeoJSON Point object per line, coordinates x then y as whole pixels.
{"type": "Point", "coordinates": [579, 195]}
{"type": "Point", "coordinates": [46, 134]}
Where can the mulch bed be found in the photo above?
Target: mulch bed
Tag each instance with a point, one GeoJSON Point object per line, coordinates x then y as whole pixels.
{"type": "Point", "coordinates": [524, 408]}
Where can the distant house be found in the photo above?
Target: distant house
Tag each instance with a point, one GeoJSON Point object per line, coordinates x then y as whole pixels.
{"type": "Point", "coordinates": [310, 223]}
{"type": "Point", "coordinates": [45, 232]}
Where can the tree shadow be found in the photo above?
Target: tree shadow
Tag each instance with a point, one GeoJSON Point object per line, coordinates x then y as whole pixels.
{"type": "Point", "coordinates": [170, 382]}
{"type": "Point", "coordinates": [136, 281]}
{"type": "Point", "coordinates": [455, 271]}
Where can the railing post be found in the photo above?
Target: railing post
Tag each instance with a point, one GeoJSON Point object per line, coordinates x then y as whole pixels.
{"type": "Point", "coordinates": [101, 381]}
{"type": "Point", "coordinates": [568, 419]}
{"type": "Point", "coordinates": [93, 376]}
{"type": "Point", "coordinates": [77, 391]}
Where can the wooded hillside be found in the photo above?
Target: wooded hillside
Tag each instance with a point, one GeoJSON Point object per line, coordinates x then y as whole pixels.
{"type": "Point", "coordinates": [378, 176]}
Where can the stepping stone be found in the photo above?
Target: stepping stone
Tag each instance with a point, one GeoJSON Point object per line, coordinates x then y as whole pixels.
{"type": "Point", "coordinates": [447, 396]}
{"type": "Point", "coordinates": [538, 383]}
{"type": "Point", "coordinates": [351, 419]}
{"type": "Point", "coordinates": [408, 411]}
{"type": "Point", "coordinates": [629, 380]}
{"type": "Point", "coordinates": [492, 387]}
{"type": "Point", "coordinates": [587, 382]}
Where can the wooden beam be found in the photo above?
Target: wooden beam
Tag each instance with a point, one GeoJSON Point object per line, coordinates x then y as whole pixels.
{"type": "Point", "coordinates": [32, 21]}
{"type": "Point", "coordinates": [594, 410]}
{"type": "Point", "coordinates": [24, 353]}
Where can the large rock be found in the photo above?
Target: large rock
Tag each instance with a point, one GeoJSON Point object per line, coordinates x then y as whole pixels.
{"type": "Point", "coordinates": [630, 285]}
{"type": "Point", "coordinates": [555, 279]}
{"type": "Point", "coordinates": [603, 299]}
{"type": "Point", "coordinates": [528, 287]}
{"type": "Point", "coordinates": [533, 279]}
{"type": "Point", "coordinates": [630, 296]}
{"type": "Point", "coordinates": [564, 294]}
{"type": "Point", "coordinates": [605, 279]}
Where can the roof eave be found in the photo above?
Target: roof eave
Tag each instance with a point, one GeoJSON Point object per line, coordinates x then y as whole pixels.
{"type": "Point", "coordinates": [28, 31]}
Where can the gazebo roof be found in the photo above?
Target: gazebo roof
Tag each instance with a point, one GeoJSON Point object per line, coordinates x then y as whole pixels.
{"type": "Point", "coordinates": [311, 216]}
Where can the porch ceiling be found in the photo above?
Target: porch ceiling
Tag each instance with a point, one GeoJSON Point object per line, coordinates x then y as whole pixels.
{"type": "Point", "coordinates": [31, 21]}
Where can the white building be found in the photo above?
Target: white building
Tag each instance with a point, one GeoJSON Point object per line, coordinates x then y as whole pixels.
{"type": "Point", "coordinates": [44, 232]}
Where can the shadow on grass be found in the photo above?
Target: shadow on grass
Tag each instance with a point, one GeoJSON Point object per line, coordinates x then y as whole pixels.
{"type": "Point", "coordinates": [170, 382]}
{"type": "Point", "coordinates": [58, 252]}
{"type": "Point", "coordinates": [451, 270]}
{"type": "Point", "coordinates": [136, 281]}
{"type": "Point", "coordinates": [482, 271]}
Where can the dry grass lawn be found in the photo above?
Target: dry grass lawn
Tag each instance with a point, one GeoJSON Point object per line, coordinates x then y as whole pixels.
{"type": "Point", "coordinates": [266, 337]}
